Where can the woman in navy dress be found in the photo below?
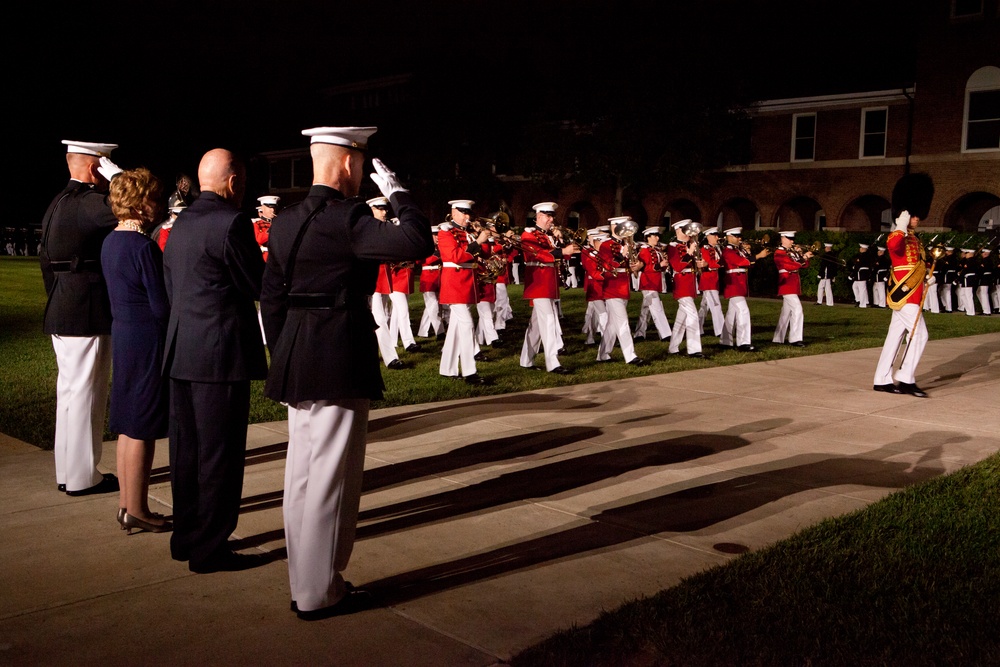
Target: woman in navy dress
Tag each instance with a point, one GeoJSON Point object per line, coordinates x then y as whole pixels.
{"type": "Point", "coordinates": [133, 267]}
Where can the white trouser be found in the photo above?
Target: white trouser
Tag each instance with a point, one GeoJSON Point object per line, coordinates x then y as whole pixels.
{"type": "Point", "coordinates": [790, 320]}
{"type": "Point", "coordinates": [323, 470]}
{"type": "Point", "coordinates": [965, 300]}
{"type": "Point", "coordinates": [738, 318]}
{"type": "Point", "coordinates": [901, 322]}
{"type": "Point", "coordinates": [431, 319]}
{"type": "Point", "coordinates": [616, 330]}
{"type": "Point", "coordinates": [502, 308]}
{"type": "Point", "coordinates": [542, 330]}
{"type": "Point", "coordinates": [931, 302]}
{"type": "Point", "coordinates": [995, 295]}
{"type": "Point", "coordinates": [652, 307]}
{"type": "Point", "coordinates": [824, 289]}
{"type": "Point", "coordinates": [515, 272]}
{"type": "Point", "coordinates": [486, 333]}
{"type": "Point", "coordinates": [878, 293]}
{"type": "Point", "coordinates": [260, 321]}
{"type": "Point", "coordinates": [861, 293]}
{"type": "Point", "coordinates": [82, 388]}
{"type": "Point", "coordinates": [459, 343]}
{"type": "Point", "coordinates": [386, 342]}
{"type": "Point", "coordinates": [687, 326]}
{"type": "Point", "coordinates": [710, 304]}
{"type": "Point", "coordinates": [571, 279]}
{"type": "Point", "coordinates": [399, 320]}
{"type": "Point", "coordinates": [594, 320]}
{"type": "Point", "coordinates": [984, 298]}
{"type": "Point", "coordinates": [945, 297]}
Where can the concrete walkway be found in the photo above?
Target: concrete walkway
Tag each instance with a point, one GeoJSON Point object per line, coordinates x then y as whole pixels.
{"type": "Point", "coordinates": [490, 523]}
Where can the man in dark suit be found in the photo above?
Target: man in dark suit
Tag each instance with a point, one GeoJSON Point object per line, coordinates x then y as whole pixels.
{"type": "Point", "coordinates": [212, 268]}
{"type": "Point", "coordinates": [321, 269]}
{"type": "Point", "coordinates": [78, 317]}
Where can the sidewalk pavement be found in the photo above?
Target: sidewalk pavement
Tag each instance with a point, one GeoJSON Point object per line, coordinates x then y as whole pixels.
{"type": "Point", "coordinates": [491, 523]}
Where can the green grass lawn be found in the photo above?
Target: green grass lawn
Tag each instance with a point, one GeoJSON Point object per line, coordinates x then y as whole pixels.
{"type": "Point", "coordinates": [27, 383]}
{"type": "Point", "coordinates": [913, 579]}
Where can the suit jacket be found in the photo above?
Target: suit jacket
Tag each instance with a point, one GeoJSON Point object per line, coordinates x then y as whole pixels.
{"type": "Point", "coordinates": [212, 268]}
{"type": "Point", "coordinates": [73, 231]}
{"type": "Point", "coordinates": [319, 328]}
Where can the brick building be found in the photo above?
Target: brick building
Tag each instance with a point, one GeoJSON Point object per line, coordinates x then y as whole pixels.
{"type": "Point", "coordinates": [830, 161]}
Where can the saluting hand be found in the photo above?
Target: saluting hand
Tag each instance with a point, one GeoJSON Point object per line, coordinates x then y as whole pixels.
{"type": "Point", "coordinates": [385, 179]}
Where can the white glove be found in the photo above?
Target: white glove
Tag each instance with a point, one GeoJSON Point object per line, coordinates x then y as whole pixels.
{"type": "Point", "coordinates": [386, 180]}
{"type": "Point", "coordinates": [931, 280]}
{"type": "Point", "coordinates": [902, 222]}
{"type": "Point", "coordinates": [109, 169]}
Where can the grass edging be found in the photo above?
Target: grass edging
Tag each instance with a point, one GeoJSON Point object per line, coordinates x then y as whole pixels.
{"type": "Point", "coordinates": [911, 579]}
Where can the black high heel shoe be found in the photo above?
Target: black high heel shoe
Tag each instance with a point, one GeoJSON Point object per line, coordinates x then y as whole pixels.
{"type": "Point", "coordinates": [131, 523]}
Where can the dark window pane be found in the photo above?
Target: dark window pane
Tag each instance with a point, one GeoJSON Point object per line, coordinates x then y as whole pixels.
{"type": "Point", "coordinates": [984, 105]}
{"type": "Point", "coordinates": [804, 148]}
{"type": "Point", "coordinates": [875, 121]}
{"type": "Point", "coordinates": [983, 134]}
{"type": "Point", "coordinates": [303, 173]}
{"type": "Point", "coordinates": [805, 126]}
{"type": "Point", "coordinates": [874, 145]}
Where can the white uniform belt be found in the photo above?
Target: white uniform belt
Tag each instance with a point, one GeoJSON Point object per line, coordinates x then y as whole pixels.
{"type": "Point", "coordinates": [463, 265]}
{"type": "Point", "coordinates": [787, 271]}
{"type": "Point", "coordinates": [432, 267]}
{"type": "Point", "coordinates": [686, 271]}
{"type": "Point", "coordinates": [549, 264]}
{"type": "Point", "coordinates": [736, 270]}
{"type": "Point", "coordinates": [621, 270]}
{"type": "Point", "coordinates": [263, 248]}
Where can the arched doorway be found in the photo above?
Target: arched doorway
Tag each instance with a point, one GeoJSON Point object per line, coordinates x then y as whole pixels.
{"type": "Point", "coordinates": [680, 209]}
{"type": "Point", "coordinates": [636, 211]}
{"type": "Point", "coordinates": [738, 212]}
{"type": "Point", "coordinates": [971, 213]}
{"type": "Point", "coordinates": [583, 215]}
{"type": "Point", "coordinates": [800, 214]}
{"type": "Point", "coordinates": [865, 214]}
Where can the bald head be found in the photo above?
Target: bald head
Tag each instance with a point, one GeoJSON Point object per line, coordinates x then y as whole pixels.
{"type": "Point", "coordinates": [220, 172]}
{"type": "Point", "coordinates": [83, 168]}
{"type": "Point", "coordinates": [337, 167]}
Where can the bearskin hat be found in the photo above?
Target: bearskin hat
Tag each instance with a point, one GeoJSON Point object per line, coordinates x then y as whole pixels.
{"type": "Point", "coordinates": [913, 193]}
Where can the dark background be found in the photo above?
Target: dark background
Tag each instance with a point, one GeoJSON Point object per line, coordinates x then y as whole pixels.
{"type": "Point", "coordinates": [170, 80]}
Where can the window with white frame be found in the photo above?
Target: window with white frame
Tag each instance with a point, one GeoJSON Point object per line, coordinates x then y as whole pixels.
{"type": "Point", "coordinates": [873, 129]}
{"type": "Point", "coordinates": [803, 137]}
{"type": "Point", "coordinates": [982, 111]}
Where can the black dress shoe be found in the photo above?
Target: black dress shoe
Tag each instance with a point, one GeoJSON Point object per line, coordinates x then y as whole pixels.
{"type": "Point", "coordinates": [641, 337]}
{"type": "Point", "coordinates": [638, 361]}
{"type": "Point", "coordinates": [665, 339]}
{"type": "Point", "coordinates": [441, 336]}
{"type": "Point", "coordinates": [228, 561]}
{"type": "Point", "coordinates": [561, 350]}
{"type": "Point", "coordinates": [395, 365]}
{"type": "Point", "coordinates": [912, 389]}
{"type": "Point", "coordinates": [480, 356]}
{"type": "Point", "coordinates": [61, 487]}
{"type": "Point", "coordinates": [413, 347]}
{"type": "Point", "coordinates": [747, 348]}
{"type": "Point", "coordinates": [474, 379]}
{"type": "Point", "coordinates": [887, 388]}
{"type": "Point", "coordinates": [352, 603]}
{"type": "Point", "coordinates": [797, 343]}
{"type": "Point", "coordinates": [561, 370]}
{"type": "Point", "coordinates": [106, 485]}
{"type": "Point", "coordinates": [696, 355]}
{"type": "Point", "coordinates": [496, 344]}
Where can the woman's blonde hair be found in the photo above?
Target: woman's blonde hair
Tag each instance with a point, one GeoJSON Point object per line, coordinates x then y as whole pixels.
{"type": "Point", "coordinates": [131, 190]}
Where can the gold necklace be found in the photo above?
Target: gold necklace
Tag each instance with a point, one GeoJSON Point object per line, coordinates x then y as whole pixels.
{"type": "Point", "coordinates": [132, 225]}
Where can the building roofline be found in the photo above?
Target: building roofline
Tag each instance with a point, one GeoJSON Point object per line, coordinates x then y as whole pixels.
{"type": "Point", "coordinates": [895, 95]}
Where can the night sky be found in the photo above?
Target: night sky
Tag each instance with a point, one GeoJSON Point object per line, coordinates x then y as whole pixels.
{"type": "Point", "coordinates": [169, 80]}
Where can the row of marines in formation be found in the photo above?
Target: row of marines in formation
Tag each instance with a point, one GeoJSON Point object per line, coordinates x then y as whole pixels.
{"type": "Point", "coordinates": [962, 276]}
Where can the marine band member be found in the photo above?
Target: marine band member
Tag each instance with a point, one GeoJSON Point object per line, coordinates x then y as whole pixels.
{"type": "Point", "coordinates": [654, 263]}
{"type": "Point", "coordinates": [790, 263]}
{"type": "Point", "coordinates": [459, 249]}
